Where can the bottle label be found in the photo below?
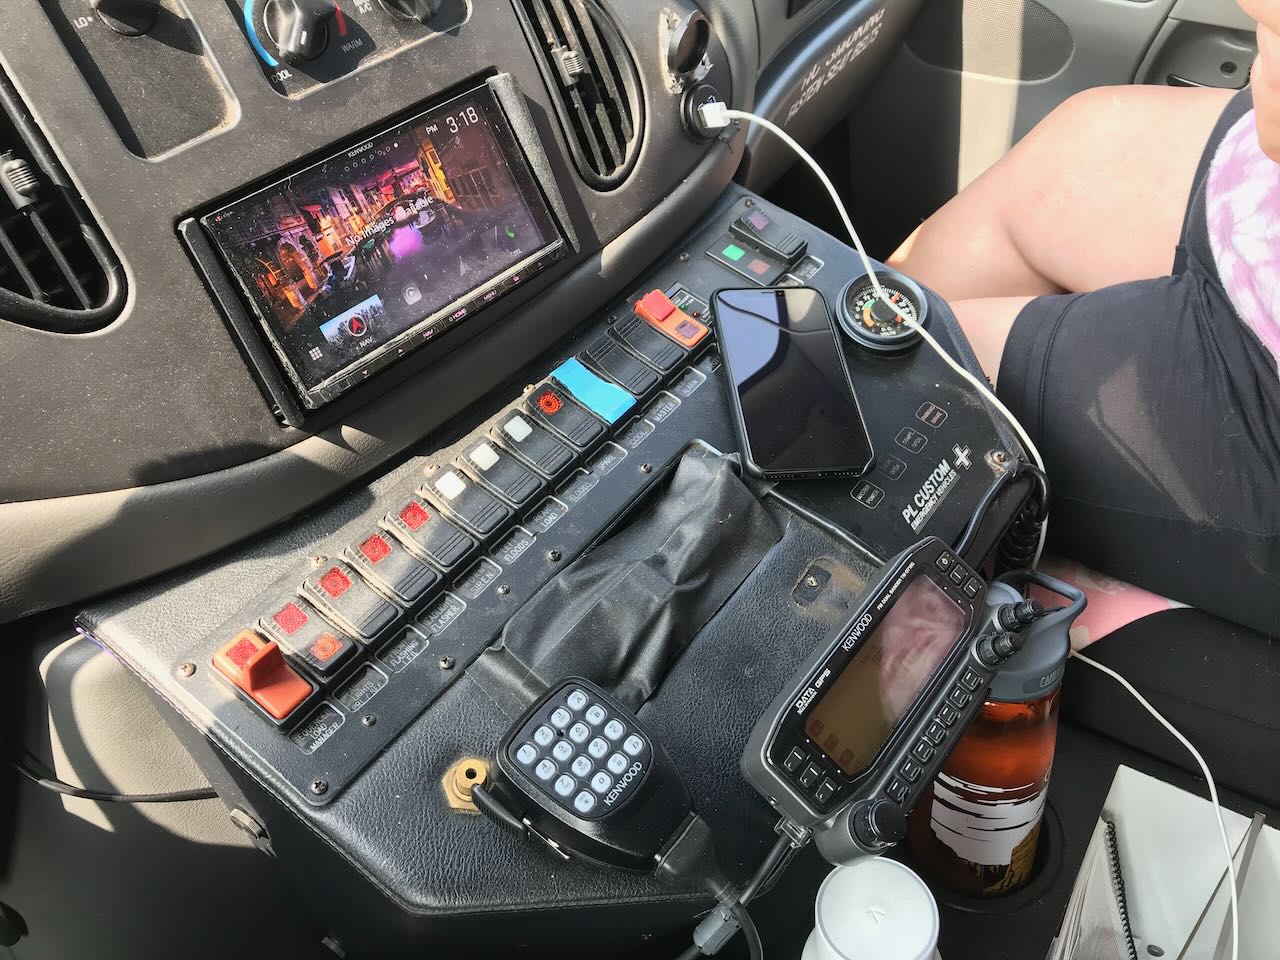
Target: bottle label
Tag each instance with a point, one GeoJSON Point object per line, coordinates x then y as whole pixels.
{"type": "Point", "coordinates": [987, 826]}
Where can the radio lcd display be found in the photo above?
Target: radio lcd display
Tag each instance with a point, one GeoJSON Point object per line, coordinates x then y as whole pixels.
{"type": "Point", "coordinates": [856, 715]}
{"type": "Point", "coordinates": [353, 261]}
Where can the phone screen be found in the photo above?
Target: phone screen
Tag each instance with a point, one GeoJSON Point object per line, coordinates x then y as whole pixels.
{"type": "Point", "coordinates": [796, 408]}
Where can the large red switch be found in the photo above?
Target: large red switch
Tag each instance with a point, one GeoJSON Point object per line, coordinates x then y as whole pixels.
{"type": "Point", "coordinates": [656, 309]}
{"type": "Point", "coordinates": [258, 668]}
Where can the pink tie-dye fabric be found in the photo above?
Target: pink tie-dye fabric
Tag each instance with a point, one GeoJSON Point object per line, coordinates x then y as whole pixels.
{"type": "Point", "coordinates": [1242, 203]}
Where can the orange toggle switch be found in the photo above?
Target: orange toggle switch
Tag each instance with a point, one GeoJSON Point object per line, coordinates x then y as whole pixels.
{"type": "Point", "coordinates": [656, 309]}
{"type": "Point", "coordinates": [258, 668]}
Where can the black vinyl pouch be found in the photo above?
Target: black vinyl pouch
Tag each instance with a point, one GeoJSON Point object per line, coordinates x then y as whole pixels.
{"type": "Point", "coordinates": [622, 613]}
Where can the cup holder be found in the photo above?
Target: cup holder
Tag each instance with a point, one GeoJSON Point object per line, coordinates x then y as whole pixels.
{"type": "Point", "coordinates": [1045, 872]}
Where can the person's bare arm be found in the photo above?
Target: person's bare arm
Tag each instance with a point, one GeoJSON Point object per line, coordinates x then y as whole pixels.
{"type": "Point", "coordinates": [1266, 74]}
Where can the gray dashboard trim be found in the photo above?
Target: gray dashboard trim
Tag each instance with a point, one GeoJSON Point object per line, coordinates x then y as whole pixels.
{"type": "Point", "coordinates": [58, 551]}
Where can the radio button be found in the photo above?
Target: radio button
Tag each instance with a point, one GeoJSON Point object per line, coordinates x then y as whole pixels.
{"type": "Point", "coordinates": [560, 716]}
{"type": "Point", "coordinates": [826, 790]}
{"type": "Point", "coordinates": [936, 733]}
{"type": "Point", "coordinates": [795, 760]}
{"type": "Point", "coordinates": [945, 562]}
{"type": "Point", "coordinates": [526, 754]}
{"type": "Point", "coordinates": [596, 714]}
{"type": "Point", "coordinates": [970, 680]}
{"type": "Point", "coordinates": [337, 589]}
{"type": "Point", "coordinates": [648, 343]}
{"type": "Point", "coordinates": [633, 745]}
{"type": "Point", "coordinates": [552, 407]}
{"type": "Point", "coordinates": [601, 782]}
{"type": "Point", "coordinates": [545, 769]}
{"type": "Point", "coordinates": [617, 763]}
{"type": "Point", "coordinates": [948, 715]}
{"type": "Point", "coordinates": [958, 698]}
{"type": "Point", "coordinates": [959, 575]}
{"type": "Point", "coordinates": [584, 802]}
{"type": "Point", "coordinates": [598, 748]}
{"type": "Point", "coordinates": [467, 501]}
{"type": "Point", "coordinates": [579, 733]}
{"type": "Point", "coordinates": [581, 766]}
{"type": "Point", "coordinates": [383, 561]}
{"type": "Point", "coordinates": [895, 790]}
{"type": "Point", "coordinates": [577, 700]}
{"type": "Point", "coordinates": [810, 775]}
{"type": "Point", "coordinates": [910, 771]}
{"type": "Point", "coordinates": [565, 785]}
{"type": "Point", "coordinates": [614, 730]}
{"type": "Point", "coordinates": [922, 751]}
{"type": "Point", "coordinates": [502, 472]}
{"type": "Point", "coordinates": [972, 587]}
{"type": "Point", "coordinates": [534, 445]}
{"type": "Point", "coordinates": [417, 524]}
{"type": "Point", "coordinates": [543, 735]}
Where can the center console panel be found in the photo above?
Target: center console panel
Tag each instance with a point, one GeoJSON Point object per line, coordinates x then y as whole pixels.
{"type": "Point", "coordinates": [340, 665]}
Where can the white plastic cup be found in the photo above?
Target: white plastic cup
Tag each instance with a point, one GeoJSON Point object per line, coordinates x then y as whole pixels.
{"type": "Point", "coordinates": [876, 909]}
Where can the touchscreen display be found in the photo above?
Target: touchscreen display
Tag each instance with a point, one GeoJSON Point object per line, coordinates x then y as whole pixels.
{"type": "Point", "coordinates": [387, 243]}
{"type": "Point", "coordinates": [887, 673]}
{"type": "Point", "coordinates": [797, 409]}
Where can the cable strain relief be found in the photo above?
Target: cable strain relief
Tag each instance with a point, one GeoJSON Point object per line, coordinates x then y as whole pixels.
{"type": "Point", "coordinates": [691, 854]}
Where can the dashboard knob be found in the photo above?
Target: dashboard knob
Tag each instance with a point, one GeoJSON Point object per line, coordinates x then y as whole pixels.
{"type": "Point", "coordinates": [299, 28]}
{"type": "Point", "coordinates": [419, 10]}
{"type": "Point", "coordinates": [130, 18]}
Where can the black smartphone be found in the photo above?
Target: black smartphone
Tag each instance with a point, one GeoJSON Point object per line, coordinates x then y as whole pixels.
{"type": "Point", "coordinates": [794, 406]}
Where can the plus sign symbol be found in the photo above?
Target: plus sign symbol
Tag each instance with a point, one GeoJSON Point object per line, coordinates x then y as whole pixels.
{"type": "Point", "coordinates": [962, 456]}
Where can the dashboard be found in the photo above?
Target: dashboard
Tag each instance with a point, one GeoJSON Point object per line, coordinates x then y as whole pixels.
{"type": "Point", "coordinates": [382, 388]}
{"type": "Point", "coordinates": [181, 424]}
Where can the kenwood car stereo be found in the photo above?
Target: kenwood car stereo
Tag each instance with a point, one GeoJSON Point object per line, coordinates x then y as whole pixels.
{"type": "Point", "coordinates": [355, 260]}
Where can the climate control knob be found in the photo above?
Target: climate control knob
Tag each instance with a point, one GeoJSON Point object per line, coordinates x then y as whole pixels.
{"type": "Point", "coordinates": [419, 10]}
{"type": "Point", "coordinates": [298, 28]}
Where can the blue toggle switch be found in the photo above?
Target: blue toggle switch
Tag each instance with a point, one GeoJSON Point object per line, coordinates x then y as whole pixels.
{"type": "Point", "coordinates": [606, 400]}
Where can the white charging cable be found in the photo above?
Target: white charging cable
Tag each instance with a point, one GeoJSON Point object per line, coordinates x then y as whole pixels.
{"type": "Point", "coordinates": [716, 115]}
{"type": "Point", "coordinates": [1213, 792]}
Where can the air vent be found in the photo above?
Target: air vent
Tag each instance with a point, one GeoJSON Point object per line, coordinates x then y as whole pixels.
{"type": "Point", "coordinates": [590, 72]}
{"type": "Point", "coordinates": [57, 272]}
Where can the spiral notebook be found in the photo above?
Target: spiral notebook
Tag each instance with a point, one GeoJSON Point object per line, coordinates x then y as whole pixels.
{"type": "Point", "coordinates": [1096, 925]}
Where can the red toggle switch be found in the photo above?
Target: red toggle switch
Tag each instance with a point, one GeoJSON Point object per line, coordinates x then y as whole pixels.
{"type": "Point", "coordinates": [656, 309]}
{"type": "Point", "coordinates": [258, 668]}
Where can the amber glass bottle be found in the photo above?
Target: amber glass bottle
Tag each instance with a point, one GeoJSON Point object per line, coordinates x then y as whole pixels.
{"type": "Point", "coordinates": [976, 827]}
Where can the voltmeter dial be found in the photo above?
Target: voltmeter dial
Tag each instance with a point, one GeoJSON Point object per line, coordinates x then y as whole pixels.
{"type": "Point", "coordinates": [874, 323]}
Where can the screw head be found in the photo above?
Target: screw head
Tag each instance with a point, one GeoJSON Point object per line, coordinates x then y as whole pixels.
{"type": "Point", "coordinates": [750, 202]}
{"type": "Point", "coordinates": [503, 589]}
{"type": "Point", "coordinates": [447, 662]}
{"type": "Point", "coordinates": [646, 468]}
{"type": "Point", "coordinates": [684, 258]}
{"type": "Point", "coordinates": [811, 581]}
{"type": "Point", "coordinates": [187, 669]}
{"type": "Point", "coordinates": [554, 555]}
{"type": "Point", "coordinates": [999, 456]}
{"type": "Point", "coordinates": [319, 787]}
{"type": "Point", "coordinates": [368, 719]}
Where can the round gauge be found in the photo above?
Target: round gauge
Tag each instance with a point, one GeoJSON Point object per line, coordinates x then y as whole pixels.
{"type": "Point", "coordinates": [875, 324]}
